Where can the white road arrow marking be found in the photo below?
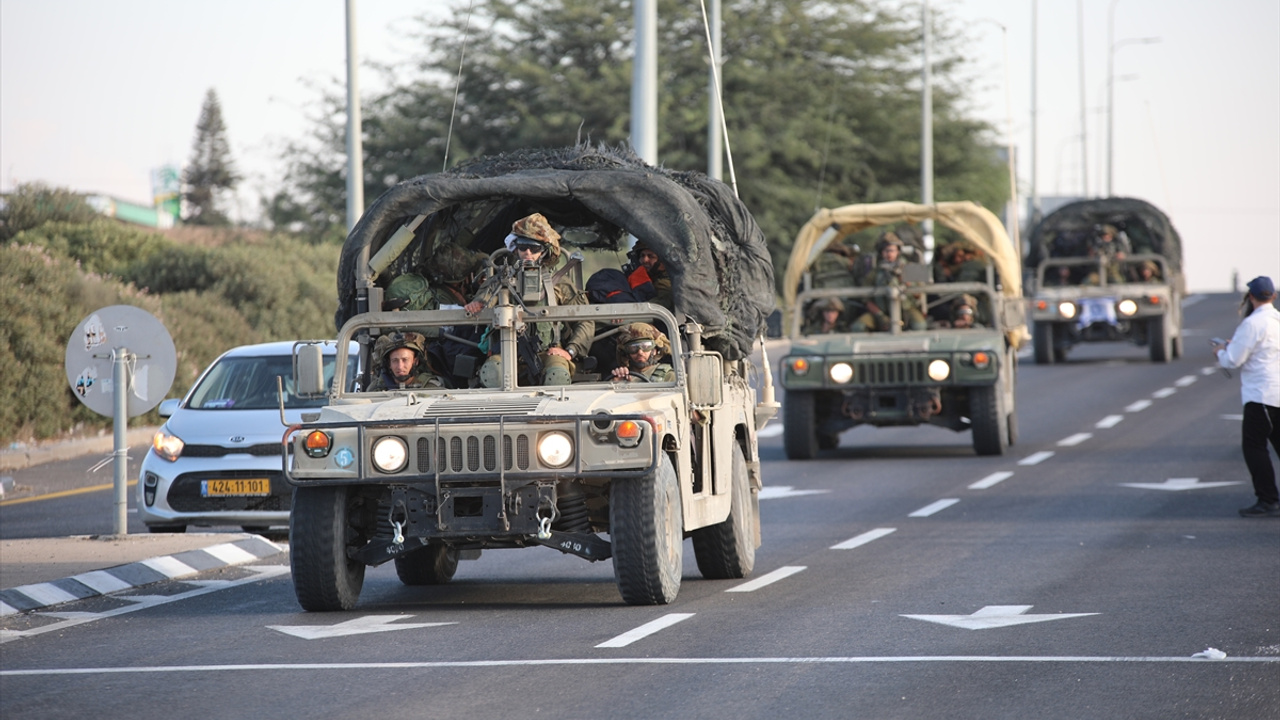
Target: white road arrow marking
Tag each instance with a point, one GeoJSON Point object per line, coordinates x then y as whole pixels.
{"type": "Point", "coordinates": [359, 626]}
{"type": "Point", "coordinates": [772, 492]}
{"type": "Point", "coordinates": [645, 630]}
{"type": "Point", "coordinates": [994, 616]}
{"type": "Point", "coordinates": [1176, 484]}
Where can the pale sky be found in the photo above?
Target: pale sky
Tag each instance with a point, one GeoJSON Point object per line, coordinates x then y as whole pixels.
{"type": "Point", "coordinates": [94, 95]}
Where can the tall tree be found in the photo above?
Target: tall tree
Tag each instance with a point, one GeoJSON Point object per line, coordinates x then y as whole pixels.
{"type": "Point", "coordinates": [822, 102]}
{"type": "Point", "coordinates": [211, 171]}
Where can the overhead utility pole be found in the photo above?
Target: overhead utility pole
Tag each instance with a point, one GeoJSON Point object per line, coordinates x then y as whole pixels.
{"type": "Point", "coordinates": [355, 145]}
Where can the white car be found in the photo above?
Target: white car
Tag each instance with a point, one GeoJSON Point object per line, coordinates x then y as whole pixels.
{"type": "Point", "coordinates": [217, 460]}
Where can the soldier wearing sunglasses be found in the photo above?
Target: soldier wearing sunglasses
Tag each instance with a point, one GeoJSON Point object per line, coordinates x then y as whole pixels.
{"type": "Point", "coordinates": [640, 347]}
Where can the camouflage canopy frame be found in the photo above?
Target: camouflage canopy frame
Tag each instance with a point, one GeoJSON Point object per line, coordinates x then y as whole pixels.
{"type": "Point", "coordinates": [721, 271]}
{"type": "Point", "coordinates": [1148, 228]}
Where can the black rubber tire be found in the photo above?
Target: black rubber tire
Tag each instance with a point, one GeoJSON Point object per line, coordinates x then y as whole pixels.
{"type": "Point", "coordinates": [324, 578]}
{"type": "Point", "coordinates": [166, 529]}
{"type": "Point", "coordinates": [646, 529]}
{"type": "Point", "coordinates": [1012, 418]}
{"type": "Point", "coordinates": [1043, 333]}
{"type": "Point", "coordinates": [1177, 347]}
{"type": "Point", "coordinates": [990, 428]}
{"type": "Point", "coordinates": [1159, 342]}
{"type": "Point", "coordinates": [828, 441]}
{"type": "Point", "coordinates": [727, 550]}
{"type": "Point", "coordinates": [799, 426]}
{"type": "Point", "coordinates": [433, 564]}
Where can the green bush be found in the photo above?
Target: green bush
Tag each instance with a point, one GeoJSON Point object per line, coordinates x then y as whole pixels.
{"type": "Point", "coordinates": [31, 205]}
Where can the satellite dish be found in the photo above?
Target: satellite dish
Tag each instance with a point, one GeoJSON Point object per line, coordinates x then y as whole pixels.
{"type": "Point", "coordinates": [92, 348]}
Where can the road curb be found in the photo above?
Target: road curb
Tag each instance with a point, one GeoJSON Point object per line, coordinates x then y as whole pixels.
{"type": "Point", "coordinates": [37, 596]}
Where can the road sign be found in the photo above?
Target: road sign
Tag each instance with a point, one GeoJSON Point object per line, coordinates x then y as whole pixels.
{"type": "Point", "coordinates": [96, 342]}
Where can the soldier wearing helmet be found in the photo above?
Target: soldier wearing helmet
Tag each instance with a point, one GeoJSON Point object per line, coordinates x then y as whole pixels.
{"type": "Point", "coordinates": [886, 274]}
{"type": "Point", "coordinates": [825, 316]}
{"type": "Point", "coordinates": [645, 270]}
{"type": "Point", "coordinates": [399, 355]}
{"type": "Point", "coordinates": [640, 347]}
{"type": "Point", "coordinates": [547, 349]}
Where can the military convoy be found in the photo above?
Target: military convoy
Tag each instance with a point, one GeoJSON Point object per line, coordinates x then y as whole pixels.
{"type": "Point", "coordinates": [591, 466]}
{"type": "Point", "coordinates": [898, 355]}
{"type": "Point", "coordinates": [1106, 270]}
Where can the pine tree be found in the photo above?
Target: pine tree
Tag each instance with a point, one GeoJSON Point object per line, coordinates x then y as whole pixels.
{"type": "Point", "coordinates": [211, 170]}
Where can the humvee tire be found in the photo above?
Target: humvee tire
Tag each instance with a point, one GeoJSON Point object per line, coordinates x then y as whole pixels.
{"type": "Point", "coordinates": [324, 578]}
{"type": "Point", "coordinates": [799, 434]}
{"type": "Point", "coordinates": [1159, 341]}
{"type": "Point", "coordinates": [1044, 343]}
{"type": "Point", "coordinates": [727, 550]}
{"type": "Point", "coordinates": [434, 564]}
{"type": "Point", "coordinates": [990, 429]}
{"type": "Point", "coordinates": [647, 533]}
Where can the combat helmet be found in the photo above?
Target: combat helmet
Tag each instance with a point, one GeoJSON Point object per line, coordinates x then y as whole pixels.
{"type": "Point", "coordinates": [452, 264]}
{"type": "Point", "coordinates": [537, 227]}
{"type": "Point", "coordinates": [410, 291]}
{"type": "Point", "coordinates": [390, 342]}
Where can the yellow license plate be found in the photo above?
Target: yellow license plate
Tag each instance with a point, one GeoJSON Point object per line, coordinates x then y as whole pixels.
{"type": "Point", "coordinates": [241, 487]}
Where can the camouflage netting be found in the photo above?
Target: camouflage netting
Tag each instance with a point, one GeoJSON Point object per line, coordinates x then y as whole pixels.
{"type": "Point", "coordinates": [721, 271]}
{"type": "Point", "coordinates": [1065, 231]}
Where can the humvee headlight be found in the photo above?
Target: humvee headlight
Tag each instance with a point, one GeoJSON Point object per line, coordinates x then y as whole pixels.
{"type": "Point", "coordinates": [555, 449]}
{"type": "Point", "coordinates": [1067, 310]}
{"type": "Point", "coordinates": [1127, 307]}
{"type": "Point", "coordinates": [939, 370]}
{"type": "Point", "coordinates": [841, 373]}
{"type": "Point", "coordinates": [390, 454]}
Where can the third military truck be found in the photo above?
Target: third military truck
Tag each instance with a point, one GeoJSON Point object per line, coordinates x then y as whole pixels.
{"type": "Point", "coordinates": [500, 452]}
{"type": "Point", "coordinates": [1106, 270]}
{"type": "Point", "coordinates": [911, 343]}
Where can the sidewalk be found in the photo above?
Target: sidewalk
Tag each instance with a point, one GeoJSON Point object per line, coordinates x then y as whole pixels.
{"type": "Point", "coordinates": [38, 573]}
{"type": "Point", "coordinates": [41, 572]}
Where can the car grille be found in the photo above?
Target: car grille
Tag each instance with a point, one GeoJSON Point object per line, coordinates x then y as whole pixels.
{"type": "Point", "coordinates": [263, 450]}
{"type": "Point", "coordinates": [184, 493]}
{"type": "Point", "coordinates": [472, 453]}
{"type": "Point", "coordinates": [888, 372]}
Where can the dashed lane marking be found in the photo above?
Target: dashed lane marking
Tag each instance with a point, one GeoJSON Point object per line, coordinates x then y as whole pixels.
{"type": "Point", "coordinates": [863, 539]}
{"type": "Point", "coordinates": [1109, 421]}
{"type": "Point", "coordinates": [645, 630]}
{"type": "Point", "coordinates": [780, 574]}
{"type": "Point", "coordinates": [1074, 440]}
{"type": "Point", "coordinates": [1185, 380]}
{"type": "Point", "coordinates": [992, 479]}
{"type": "Point", "coordinates": [1138, 406]}
{"type": "Point", "coordinates": [1036, 458]}
{"type": "Point", "coordinates": [934, 507]}
{"type": "Point", "coordinates": [1164, 392]}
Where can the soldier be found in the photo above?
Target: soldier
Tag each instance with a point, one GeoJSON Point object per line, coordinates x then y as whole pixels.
{"type": "Point", "coordinates": [886, 274]}
{"type": "Point", "coordinates": [962, 312]}
{"type": "Point", "coordinates": [971, 265]}
{"type": "Point", "coordinates": [1147, 272]}
{"type": "Point", "coordinates": [453, 270]}
{"type": "Point", "coordinates": [645, 266]}
{"type": "Point", "coordinates": [399, 355]}
{"type": "Point", "coordinates": [825, 317]}
{"type": "Point", "coordinates": [547, 354]}
{"type": "Point", "coordinates": [640, 347]}
{"type": "Point", "coordinates": [1111, 246]}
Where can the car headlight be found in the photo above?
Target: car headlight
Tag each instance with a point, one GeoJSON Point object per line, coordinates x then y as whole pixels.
{"type": "Point", "coordinates": [390, 454]}
{"type": "Point", "coordinates": [167, 445]}
{"type": "Point", "coordinates": [555, 449]}
{"type": "Point", "coordinates": [1127, 307]}
{"type": "Point", "coordinates": [939, 370]}
{"type": "Point", "coordinates": [1067, 310]}
{"type": "Point", "coordinates": [841, 373]}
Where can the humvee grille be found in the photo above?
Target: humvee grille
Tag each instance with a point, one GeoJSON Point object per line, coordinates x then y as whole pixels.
{"type": "Point", "coordinates": [889, 372]}
{"type": "Point", "coordinates": [473, 454]}
{"type": "Point", "coordinates": [465, 407]}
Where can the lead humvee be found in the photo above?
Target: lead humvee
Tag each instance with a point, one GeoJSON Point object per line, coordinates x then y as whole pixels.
{"type": "Point", "coordinates": [595, 468]}
{"type": "Point", "coordinates": [961, 379]}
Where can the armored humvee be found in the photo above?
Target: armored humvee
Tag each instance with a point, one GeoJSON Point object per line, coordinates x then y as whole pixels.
{"type": "Point", "coordinates": [1084, 293]}
{"type": "Point", "coordinates": [595, 468]}
{"type": "Point", "coordinates": [953, 377]}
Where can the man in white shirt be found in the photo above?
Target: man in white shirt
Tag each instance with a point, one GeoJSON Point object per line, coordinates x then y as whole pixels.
{"type": "Point", "coordinates": [1255, 349]}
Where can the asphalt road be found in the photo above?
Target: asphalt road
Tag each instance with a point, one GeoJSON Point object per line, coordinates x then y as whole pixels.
{"type": "Point", "coordinates": [901, 576]}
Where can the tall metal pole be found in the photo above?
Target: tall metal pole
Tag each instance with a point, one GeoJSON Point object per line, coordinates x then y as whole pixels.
{"type": "Point", "coordinates": [1035, 148]}
{"type": "Point", "coordinates": [1084, 131]}
{"type": "Point", "coordinates": [926, 138]}
{"type": "Point", "coordinates": [715, 142]}
{"type": "Point", "coordinates": [120, 426]}
{"type": "Point", "coordinates": [1015, 235]}
{"type": "Point", "coordinates": [355, 145]}
{"type": "Point", "coordinates": [644, 82]}
{"type": "Point", "coordinates": [1111, 89]}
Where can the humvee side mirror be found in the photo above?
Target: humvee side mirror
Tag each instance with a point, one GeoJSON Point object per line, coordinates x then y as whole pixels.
{"type": "Point", "coordinates": [706, 380]}
{"type": "Point", "coordinates": [308, 370]}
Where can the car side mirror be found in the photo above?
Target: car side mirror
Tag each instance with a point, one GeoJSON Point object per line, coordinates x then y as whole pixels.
{"type": "Point", "coordinates": [308, 370]}
{"type": "Point", "coordinates": [706, 380]}
{"type": "Point", "coordinates": [168, 407]}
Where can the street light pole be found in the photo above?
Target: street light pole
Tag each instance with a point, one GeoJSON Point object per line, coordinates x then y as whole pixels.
{"type": "Point", "coordinates": [1111, 91]}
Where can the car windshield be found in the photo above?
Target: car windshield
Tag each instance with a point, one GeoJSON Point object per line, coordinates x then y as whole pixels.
{"type": "Point", "coordinates": [249, 383]}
